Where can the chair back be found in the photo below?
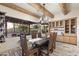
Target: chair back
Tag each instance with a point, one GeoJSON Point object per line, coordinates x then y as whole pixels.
{"type": "Point", "coordinates": [52, 41]}
{"type": "Point", "coordinates": [23, 43]}
{"type": "Point", "coordinates": [50, 45]}
{"type": "Point", "coordinates": [39, 35]}
{"type": "Point", "coordinates": [34, 35]}
{"type": "Point", "coordinates": [53, 36]}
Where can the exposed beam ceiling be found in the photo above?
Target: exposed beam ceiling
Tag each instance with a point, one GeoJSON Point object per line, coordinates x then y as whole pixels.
{"type": "Point", "coordinates": [40, 7]}
{"type": "Point", "coordinates": [64, 7]}
{"type": "Point", "coordinates": [19, 21]}
{"type": "Point", "coordinates": [15, 7]}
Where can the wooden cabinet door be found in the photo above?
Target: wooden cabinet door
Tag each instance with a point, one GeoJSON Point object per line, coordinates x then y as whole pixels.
{"type": "Point", "coordinates": [72, 40]}
{"type": "Point", "coordinates": [58, 38]}
{"type": "Point", "coordinates": [66, 39]}
{"type": "Point", "coordinates": [61, 38]}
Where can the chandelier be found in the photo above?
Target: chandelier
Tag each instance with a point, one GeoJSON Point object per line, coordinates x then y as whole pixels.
{"type": "Point", "coordinates": [43, 18]}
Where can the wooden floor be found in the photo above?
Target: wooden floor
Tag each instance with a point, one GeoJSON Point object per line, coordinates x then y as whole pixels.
{"type": "Point", "coordinates": [61, 50]}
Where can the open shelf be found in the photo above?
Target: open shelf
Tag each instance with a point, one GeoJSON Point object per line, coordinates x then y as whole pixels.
{"type": "Point", "coordinates": [73, 26]}
{"type": "Point", "coordinates": [67, 26]}
{"type": "Point", "coordinates": [61, 23]}
{"type": "Point", "coordinates": [53, 24]}
{"type": "Point", "coordinates": [57, 23]}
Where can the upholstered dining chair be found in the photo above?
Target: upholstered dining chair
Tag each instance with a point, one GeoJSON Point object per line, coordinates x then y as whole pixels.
{"type": "Point", "coordinates": [34, 34]}
{"type": "Point", "coordinates": [46, 49]}
{"type": "Point", "coordinates": [24, 45]}
{"type": "Point", "coordinates": [53, 36]}
{"type": "Point", "coordinates": [51, 44]}
{"type": "Point", "coordinates": [39, 35]}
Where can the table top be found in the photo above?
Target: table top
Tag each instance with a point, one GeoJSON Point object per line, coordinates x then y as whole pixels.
{"type": "Point", "coordinates": [35, 40]}
{"type": "Point", "coordinates": [38, 41]}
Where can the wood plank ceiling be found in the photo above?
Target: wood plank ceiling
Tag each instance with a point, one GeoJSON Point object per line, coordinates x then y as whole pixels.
{"type": "Point", "coordinates": [37, 6]}
{"type": "Point", "coordinates": [64, 7]}
{"type": "Point", "coordinates": [40, 7]}
{"type": "Point", "coordinates": [15, 7]}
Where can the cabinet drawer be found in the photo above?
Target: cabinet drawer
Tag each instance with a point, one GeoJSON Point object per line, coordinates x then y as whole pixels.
{"type": "Point", "coordinates": [72, 40]}
{"type": "Point", "coordinates": [66, 39]}
{"type": "Point", "coordinates": [60, 38]}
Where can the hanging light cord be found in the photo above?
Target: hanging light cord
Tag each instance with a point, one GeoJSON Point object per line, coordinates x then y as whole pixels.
{"type": "Point", "coordinates": [43, 10]}
{"type": "Point", "coordinates": [43, 14]}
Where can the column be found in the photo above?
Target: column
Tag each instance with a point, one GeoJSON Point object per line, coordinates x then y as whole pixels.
{"type": "Point", "coordinates": [14, 26]}
{"type": "Point", "coordinates": [29, 28]}
{"type": "Point", "coordinates": [6, 28]}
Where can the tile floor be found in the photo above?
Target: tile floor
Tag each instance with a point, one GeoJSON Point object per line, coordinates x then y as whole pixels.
{"type": "Point", "coordinates": [63, 49]}
{"type": "Point", "coordinates": [10, 43]}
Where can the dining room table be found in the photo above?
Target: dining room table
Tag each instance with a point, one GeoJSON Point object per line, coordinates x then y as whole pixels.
{"type": "Point", "coordinates": [38, 43]}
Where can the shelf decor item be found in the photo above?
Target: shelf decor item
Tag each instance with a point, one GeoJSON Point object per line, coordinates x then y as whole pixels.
{"type": "Point", "coordinates": [2, 27]}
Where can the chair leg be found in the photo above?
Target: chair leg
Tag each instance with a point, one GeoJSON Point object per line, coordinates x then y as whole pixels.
{"type": "Point", "coordinates": [23, 54]}
{"type": "Point", "coordinates": [52, 49]}
{"type": "Point", "coordinates": [47, 54]}
{"type": "Point", "coordinates": [54, 44]}
{"type": "Point", "coordinates": [37, 53]}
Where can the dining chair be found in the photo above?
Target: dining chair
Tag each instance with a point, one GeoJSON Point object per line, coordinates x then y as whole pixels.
{"type": "Point", "coordinates": [39, 35]}
{"type": "Point", "coordinates": [34, 34]}
{"type": "Point", "coordinates": [51, 45]}
{"type": "Point", "coordinates": [25, 50]}
{"type": "Point", "coordinates": [47, 48]}
{"type": "Point", "coordinates": [53, 37]}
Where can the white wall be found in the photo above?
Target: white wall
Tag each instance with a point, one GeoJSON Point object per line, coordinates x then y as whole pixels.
{"type": "Point", "coordinates": [73, 13]}
{"type": "Point", "coordinates": [17, 14]}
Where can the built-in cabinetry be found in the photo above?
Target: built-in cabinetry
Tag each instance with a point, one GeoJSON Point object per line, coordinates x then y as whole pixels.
{"type": "Point", "coordinates": [2, 26]}
{"type": "Point", "coordinates": [66, 30]}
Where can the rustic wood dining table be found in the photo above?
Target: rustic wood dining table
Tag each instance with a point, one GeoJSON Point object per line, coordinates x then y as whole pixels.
{"type": "Point", "coordinates": [38, 43]}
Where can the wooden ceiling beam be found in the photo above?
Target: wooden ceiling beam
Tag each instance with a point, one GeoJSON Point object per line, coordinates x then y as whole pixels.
{"type": "Point", "coordinates": [39, 7]}
{"type": "Point", "coordinates": [17, 8]}
{"type": "Point", "coordinates": [64, 7]}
